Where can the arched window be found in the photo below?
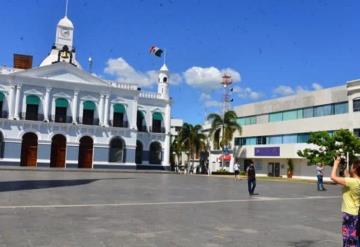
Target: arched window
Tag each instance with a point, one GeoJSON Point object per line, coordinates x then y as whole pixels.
{"type": "Point", "coordinates": [155, 154]}
{"type": "Point", "coordinates": [157, 123]}
{"type": "Point", "coordinates": [88, 112]}
{"type": "Point", "coordinates": [61, 106]}
{"type": "Point", "coordinates": [119, 116]}
{"type": "Point", "coordinates": [2, 98]}
{"type": "Point", "coordinates": [140, 121]}
{"type": "Point", "coordinates": [32, 107]}
{"type": "Point", "coordinates": [138, 152]}
{"type": "Point", "coordinates": [117, 150]}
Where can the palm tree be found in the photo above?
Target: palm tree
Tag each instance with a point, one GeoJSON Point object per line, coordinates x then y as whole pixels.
{"type": "Point", "coordinates": [223, 129]}
{"type": "Point", "coordinates": [176, 149]}
{"type": "Point", "coordinates": [193, 140]}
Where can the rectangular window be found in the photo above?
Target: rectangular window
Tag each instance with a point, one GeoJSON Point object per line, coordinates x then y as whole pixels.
{"type": "Point", "coordinates": [300, 113]}
{"type": "Point", "coordinates": [308, 112]}
{"type": "Point", "coordinates": [88, 117]}
{"type": "Point", "coordinates": [246, 120]}
{"type": "Point", "coordinates": [237, 141]}
{"type": "Point", "coordinates": [251, 141]}
{"type": "Point", "coordinates": [303, 138]}
{"type": "Point", "coordinates": [118, 119]}
{"type": "Point", "coordinates": [60, 114]}
{"type": "Point", "coordinates": [260, 140]}
{"type": "Point", "coordinates": [341, 108]}
{"type": "Point", "coordinates": [357, 132]}
{"type": "Point", "coordinates": [32, 112]}
{"type": "Point", "coordinates": [290, 138]}
{"type": "Point", "coordinates": [1, 111]}
{"type": "Point", "coordinates": [275, 117]}
{"type": "Point", "coordinates": [323, 110]}
{"type": "Point", "coordinates": [275, 140]}
{"type": "Point", "coordinates": [356, 105]}
{"type": "Point", "coordinates": [290, 115]}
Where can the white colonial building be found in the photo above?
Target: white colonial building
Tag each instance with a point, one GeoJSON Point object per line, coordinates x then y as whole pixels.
{"type": "Point", "coordinates": [274, 130]}
{"type": "Point", "coordinates": [58, 115]}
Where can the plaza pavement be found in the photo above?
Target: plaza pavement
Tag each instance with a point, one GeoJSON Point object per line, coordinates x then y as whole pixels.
{"type": "Point", "coordinates": [45, 208]}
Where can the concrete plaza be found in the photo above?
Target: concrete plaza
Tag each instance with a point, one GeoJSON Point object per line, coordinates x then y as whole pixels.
{"type": "Point", "coordinates": [51, 208]}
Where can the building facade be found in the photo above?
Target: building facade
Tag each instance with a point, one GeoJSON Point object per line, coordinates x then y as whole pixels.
{"type": "Point", "coordinates": [274, 130]}
{"type": "Point", "coordinates": [58, 115]}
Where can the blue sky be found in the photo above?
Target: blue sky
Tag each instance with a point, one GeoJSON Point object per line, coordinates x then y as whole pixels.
{"type": "Point", "coordinates": [271, 48]}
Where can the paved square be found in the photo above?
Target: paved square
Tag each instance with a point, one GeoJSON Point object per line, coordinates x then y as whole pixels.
{"type": "Point", "coordinates": [41, 208]}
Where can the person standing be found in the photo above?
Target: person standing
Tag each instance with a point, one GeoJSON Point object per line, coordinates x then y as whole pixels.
{"type": "Point", "coordinates": [320, 176]}
{"type": "Point", "coordinates": [236, 170]}
{"type": "Point", "coordinates": [350, 201]}
{"type": "Point", "coordinates": [251, 175]}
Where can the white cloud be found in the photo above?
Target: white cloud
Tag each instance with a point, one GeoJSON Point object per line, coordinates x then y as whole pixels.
{"type": "Point", "coordinates": [316, 86]}
{"type": "Point", "coordinates": [208, 101]}
{"type": "Point", "coordinates": [208, 78]}
{"type": "Point", "coordinates": [124, 72]}
{"type": "Point", "coordinates": [247, 93]}
{"type": "Point", "coordinates": [283, 90]}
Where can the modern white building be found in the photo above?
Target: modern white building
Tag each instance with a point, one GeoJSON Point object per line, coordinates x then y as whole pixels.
{"type": "Point", "coordinates": [274, 130]}
{"type": "Point", "coordinates": [58, 115]}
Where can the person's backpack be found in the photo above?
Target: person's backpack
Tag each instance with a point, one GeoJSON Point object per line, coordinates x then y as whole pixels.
{"type": "Point", "coordinates": [251, 172]}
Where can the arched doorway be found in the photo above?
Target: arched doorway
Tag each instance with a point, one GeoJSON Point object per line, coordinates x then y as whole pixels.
{"type": "Point", "coordinates": [29, 150]}
{"type": "Point", "coordinates": [85, 152]}
{"type": "Point", "coordinates": [117, 151]}
{"type": "Point", "coordinates": [138, 153]}
{"type": "Point", "coordinates": [155, 153]}
{"type": "Point", "coordinates": [58, 151]}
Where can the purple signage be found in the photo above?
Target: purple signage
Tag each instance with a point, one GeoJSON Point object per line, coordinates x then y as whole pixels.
{"type": "Point", "coordinates": [267, 151]}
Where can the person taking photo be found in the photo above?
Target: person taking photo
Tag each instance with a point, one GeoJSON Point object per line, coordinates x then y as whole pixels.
{"type": "Point", "coordinates": [350, 201]}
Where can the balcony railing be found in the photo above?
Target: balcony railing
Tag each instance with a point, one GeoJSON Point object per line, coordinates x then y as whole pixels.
{"type": "Point", "coordinates": [4, 114]}
{"type": "Point", "coordinates": [142, 128]}
{"type": "Point", "coordinates": [123, 124]}
{"type": "Point", "coordinates": [38, 117]}
{"type": "Point", "coordinates": [157, 129]}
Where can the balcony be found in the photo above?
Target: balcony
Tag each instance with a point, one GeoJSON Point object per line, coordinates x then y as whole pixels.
{"type": "Point", "coordinates": [142, 128]}
{"type": "Point", "coordinates": [120, 124]}
{"type": "Point", "coordinates": [31, 116]}
{"type": "Point", "coordinates": [157, 129]}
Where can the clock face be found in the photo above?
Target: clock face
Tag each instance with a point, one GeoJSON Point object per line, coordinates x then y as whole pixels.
{"type": "Point", "coordinates": [65, 33]}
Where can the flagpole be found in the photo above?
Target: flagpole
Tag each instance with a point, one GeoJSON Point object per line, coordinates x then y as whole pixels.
{"type": "Point", "coordinates": [164, 56]}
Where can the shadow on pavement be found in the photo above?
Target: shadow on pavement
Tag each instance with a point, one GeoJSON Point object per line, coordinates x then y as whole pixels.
{"type": "Point", "coordinates": [44, 184]}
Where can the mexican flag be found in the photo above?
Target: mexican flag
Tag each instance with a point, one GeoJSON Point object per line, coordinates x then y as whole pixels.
{"type": "Point", "coordinates": [156, 51]}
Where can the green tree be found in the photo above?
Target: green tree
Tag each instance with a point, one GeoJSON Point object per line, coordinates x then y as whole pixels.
{"type": "Point", "coordinates": [176, 149]}
{"type": "Point", "coordinates": [192, 140]}
{"type": "Point", "coordinates": [223, 128]}
{"type": "Point", "coordinates": [329, 146]}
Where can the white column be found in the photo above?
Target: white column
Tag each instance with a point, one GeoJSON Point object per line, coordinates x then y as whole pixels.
{"type": "Point", "coordinates": [11, 102]}
{"type": "Point", "coordinates": [46, 104]}
{"type": "Point", "coordinates": [74, 106]}
{"type": "Point", "coordinates": [17, 102]}
{"type": "Point", "coordinates": [132, 116]}
{"type": "Point", "coordinates": [101, 110]}
{"type": "Point", "coordinates": [106, 111]}
{"type": "Point", "coordinates": [166, 158]}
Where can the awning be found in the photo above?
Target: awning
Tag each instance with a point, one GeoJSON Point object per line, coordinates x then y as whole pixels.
{"type": "Point", "coordinates": [157, 116]}
{"type": "Point", "coordinates": [32, 100]}
{"type": "Point", "coordinates": [89, 105]}
{"type": "Point", "coordinates": [119, 108]}
{"type": "Point", "coordinates": [61, 102]}
{"type": "Point", "coordinates": [225, 157]}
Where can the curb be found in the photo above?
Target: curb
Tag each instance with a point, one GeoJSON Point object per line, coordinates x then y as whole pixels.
{"type": "Point", "coordinates": [82, 170]}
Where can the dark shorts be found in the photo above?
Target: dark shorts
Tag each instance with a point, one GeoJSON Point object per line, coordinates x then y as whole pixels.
{"type": "Point", "coordinates": [237, 172]}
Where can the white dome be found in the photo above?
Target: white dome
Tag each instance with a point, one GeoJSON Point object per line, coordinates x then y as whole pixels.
{"type": "Point", "coordinates": [65, 22]}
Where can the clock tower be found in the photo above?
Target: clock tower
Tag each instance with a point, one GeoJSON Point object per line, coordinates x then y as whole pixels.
{"type": "Point", "coordinates": [64, 34]}
{"type": "Point", "coordinates": [63, 49]}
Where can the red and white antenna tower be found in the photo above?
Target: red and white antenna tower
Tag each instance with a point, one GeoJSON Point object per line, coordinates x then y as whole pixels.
{"type": "Point", "coordinates": [227, 97]}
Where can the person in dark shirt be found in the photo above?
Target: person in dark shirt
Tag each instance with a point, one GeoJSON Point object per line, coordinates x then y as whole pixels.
{"type": "Point", "coordinates": [251, 175]}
